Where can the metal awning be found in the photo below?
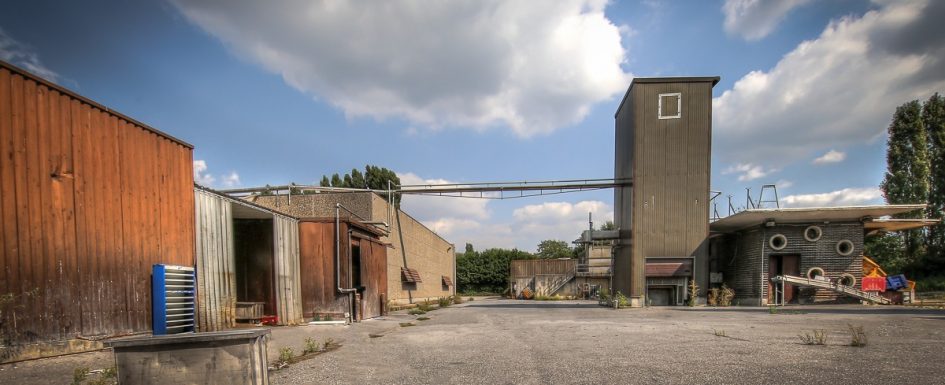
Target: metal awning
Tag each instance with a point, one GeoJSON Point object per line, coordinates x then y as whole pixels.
{"type": "Point", "coordinates": [884, 224]}
{"type": "Point", "coordinates": [755, 217]}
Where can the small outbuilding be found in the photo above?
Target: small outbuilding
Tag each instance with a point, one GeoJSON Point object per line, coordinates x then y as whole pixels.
{"type": "Point", "coordinates": [751, 247]}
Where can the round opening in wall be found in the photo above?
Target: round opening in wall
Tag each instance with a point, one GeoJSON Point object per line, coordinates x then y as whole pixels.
{"type": "Point", "coordinates": [845, 247]}
{"type": "Point", "coordinates": [815, 273]}
{"type": "Point", "coordinates": [777, 241]}
{"type": "Point", "coordinates": [813, 233]}
{"type": "Point", "coordinates": [847, 279]}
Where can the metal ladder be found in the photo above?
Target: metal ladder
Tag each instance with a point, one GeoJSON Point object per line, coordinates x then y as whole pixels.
{"type": "Point", "coordinates": [836, 287]}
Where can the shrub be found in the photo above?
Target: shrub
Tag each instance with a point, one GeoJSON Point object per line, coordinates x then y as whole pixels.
{"type": "Point", "coordinates": [416, 311]}
{"type": "Point", "coordinates": [311, 346]}
{"type": "Point", "coordinates": [328, 343]}
{"type": "Point", "coordinates": [79, 375]}
{"type": "Point", "coordinates": [457, 299]}
{"type": "Point", "coordinates": [286, 354]}
{"type": "Point", "coordinates": [470, 299]}
{"type": "Point", "coordinates": [857, 335]}
{"type": "Point", "coordinates": [713, 298]}
{"type": "Point", "coordinates": [725, 296]}
{"type": "Point", "coordinates": [622, 300]}
{"type": "Point", "coordinates": [693, 293]}
{"type": "Point", "coordinates": [444, 301]}
{"type": "Point", "coordinates": [818, 338]}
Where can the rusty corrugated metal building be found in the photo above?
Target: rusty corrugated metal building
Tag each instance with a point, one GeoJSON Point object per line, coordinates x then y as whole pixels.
{"type": "Point", "coordinates": [663, 139]}
{"type": "Point", "coordinates": [90, 200]}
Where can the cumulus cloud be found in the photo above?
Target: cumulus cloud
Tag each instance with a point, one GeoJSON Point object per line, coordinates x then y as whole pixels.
{"type": "Point", "coordinates": [472, 63]}
{"type": "Point", "coordinates": [22, 55]}
{"type": "Point", "coordinates": [203, 177]}
{"type": "Point", "coordinates": [748, 171]}
{"type": "Point", "coordinates": [832, 156]}
{"type": "Point", "coordinates": [836, 90]}
{"type": "Point", "coordinates": [755, 19]}
{"type": "Point", "coordinates": [558, 220]}
{"type": "Point", "coordinates": [844, 197]}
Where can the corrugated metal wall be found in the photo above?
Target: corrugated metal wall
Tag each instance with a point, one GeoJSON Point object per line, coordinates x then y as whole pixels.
{"type": "Point", "coordinates": [665, 213]}
{"type": "Point", "coordinates": [216, 274]}
{"type": "Point", "coordinates": [288, 278]}
{"type": "Point", "coordinates": [91, 199]}
{"type": "Point", "coordinates": [524, 268]}
{"type": "Point", "coordinates": [216, 264]}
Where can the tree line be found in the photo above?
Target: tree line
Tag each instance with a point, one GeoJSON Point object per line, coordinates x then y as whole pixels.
{"type": "Point", "coordinates": [488, 271]}
{"type": "Point", "coordinates": [915, 173]}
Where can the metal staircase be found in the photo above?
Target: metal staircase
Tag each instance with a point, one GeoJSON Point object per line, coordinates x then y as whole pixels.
{"type": "Point", "coordinates": [836, 287]}
{"type": "Point", "coordinates": [556, 283]}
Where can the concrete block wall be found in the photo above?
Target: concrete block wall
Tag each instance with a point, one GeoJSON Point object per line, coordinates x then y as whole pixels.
{"type": "Point", "coordinates": [430, 254]}
{"type": "Point", "coordinates": [320, 205]}
{"type": "Point", "coordinates": [747, 272]}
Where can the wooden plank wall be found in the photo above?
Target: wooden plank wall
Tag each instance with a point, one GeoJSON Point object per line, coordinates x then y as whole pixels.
{"type": "Point", "coordinates": [374, 274]}
{"type": "Point", "coordinates": [288, 282]}
{"type": "Point", "coordinates": [317, 268]}
{"type": "Point", "coordinates": [91, 199]}
{"type": "Point", "coordinates": [525, 268]}
{"type": "Point", "coordinates": [216, 273]}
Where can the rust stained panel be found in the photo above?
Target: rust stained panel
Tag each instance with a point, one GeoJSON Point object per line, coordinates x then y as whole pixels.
{"type": "Point", "coordinates": [8, 236]}
{"type": "Point", "coordinates": [81, 188]}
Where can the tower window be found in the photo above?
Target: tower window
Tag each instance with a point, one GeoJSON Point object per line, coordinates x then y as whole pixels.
{"type": "Point", "coordinates": [670, 106]}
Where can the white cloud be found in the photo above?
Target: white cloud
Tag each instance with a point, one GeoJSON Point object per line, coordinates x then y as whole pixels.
{"type": "Point", "coordinates": [832, 156]}
{"type": "Point", "coordinates": [205, 178]}
{"type": "Point", "coordinates": [784, 184]}
{"type": "Point", "coordinates": [12, 51]}
{"type": "Point", "coordinates": [748, 171]}
{"type": "Point", "coordinates": [472, 63]}
{"type": "Point", "coordinates": [844, 197]}
{"type": "Point", "coordinates": [839, 89]}
{"type": "Point", "coordinates": [231, 180]}
{"type": "Point", "coordinates": [201, 176]}
{"type": "Point", "coordinates": [755, 19]}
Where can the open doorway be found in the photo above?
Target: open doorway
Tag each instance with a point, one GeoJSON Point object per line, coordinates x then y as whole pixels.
{"type": "Point", "coordinates": [782, 265]}
{"type": "Point", "coordinates": [253, 252]}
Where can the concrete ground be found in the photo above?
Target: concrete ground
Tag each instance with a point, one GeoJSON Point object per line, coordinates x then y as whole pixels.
{"type": "Point", "coordinates": [527, 342]}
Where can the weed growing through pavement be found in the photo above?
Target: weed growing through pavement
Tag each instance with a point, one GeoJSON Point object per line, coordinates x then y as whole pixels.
{"type": "Point", "coordinates": [406, 324]}
{"type": "Point", "coordinates": [79, 375]}
{"type": "Point", "coordinates": [857, 335]}
{"type": "Point", "coordinates": [416, 311]}
{"type": "Point", "coordinates": [719, 333]}
{"type": "Point", "coordinates": [422, 318]}
{"type": "Point", "coordinates": [819, 337]}
{"type": "Point", "coordinates": [444, 301]}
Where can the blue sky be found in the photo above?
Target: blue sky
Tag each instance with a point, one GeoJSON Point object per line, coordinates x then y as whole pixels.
{"type": "Point", "coordinates": [495, 90]}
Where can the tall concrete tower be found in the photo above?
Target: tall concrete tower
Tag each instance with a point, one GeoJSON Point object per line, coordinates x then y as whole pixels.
{"type": "Point", "coordinates": [663, 145]}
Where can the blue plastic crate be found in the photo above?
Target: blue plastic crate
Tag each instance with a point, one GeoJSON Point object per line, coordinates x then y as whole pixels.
{"type": "Point", "coordinates": [896, 282]}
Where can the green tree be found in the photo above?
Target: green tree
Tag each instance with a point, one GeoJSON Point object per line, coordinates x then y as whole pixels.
{"type": "Point", "coordinates": [325, 181]}
{"type": "Point", "coordinates": [886, 250]}
{"type": "Point", "coordinates": [933, 117]}
{"type": "Point", "coordinates": [469, 248]}
{"type": "Point", "coordinates": [373, 178]}
{"type": "Point", "coordinates": [486, 271]}
{"type": "Point", "coordinates": [609, 225]}
{"type": "Point", "coordinates": [357, 179]}
{"type": "Point", "coordinates": [907, 173]}
{"type": "Point", "coordinates": [552, 248]}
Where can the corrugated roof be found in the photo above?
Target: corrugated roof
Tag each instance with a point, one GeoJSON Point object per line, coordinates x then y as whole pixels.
{"type": "Point", "coordinates": [749, 218]}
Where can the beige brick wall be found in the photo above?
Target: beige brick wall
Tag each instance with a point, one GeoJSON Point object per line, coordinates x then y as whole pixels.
{"type": "Point", "coordinates": [431, 255]}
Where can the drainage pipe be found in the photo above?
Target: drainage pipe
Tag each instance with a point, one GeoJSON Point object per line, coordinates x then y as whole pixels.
{"type": "Point", "coordinates": [338, 251]}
